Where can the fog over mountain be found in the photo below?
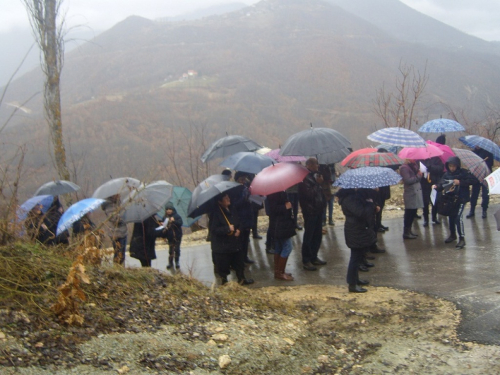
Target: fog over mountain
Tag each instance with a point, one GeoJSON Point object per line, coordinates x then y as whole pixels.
{"type": "Point", "coordinates": [145, 98]}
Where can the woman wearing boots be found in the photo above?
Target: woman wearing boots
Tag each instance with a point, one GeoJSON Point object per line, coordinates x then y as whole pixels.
{"type": "Point", "coordinates": [460, 179]}
{"type": "Point", "coordinates": [173, 235]}
{"type": "Point", "coordinates": [224, 229]}
{"type": "Point", "coordinates": [412, 195]}
{"type": "Point", "coordinates": [282, 226]}
{"type": "Point", "coordinates": [359, 211]}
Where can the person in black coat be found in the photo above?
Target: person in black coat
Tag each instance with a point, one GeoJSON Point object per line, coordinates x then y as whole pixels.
{"type": "Point", "coordinates": [51, 220]}
{"type": "Point", "coordinates": [359, 211]}
{"type": "Point", "coordinates": [143, 241]}
{"type": "Point", "coordinates": [36, 229]}
{"type": "Point", "coordinates": [225, 233]}
{"type": "Point", "coordinates": [456, 181]}
{"type": "Point", "coordinates": [485, 193]}
{"type": "Point", "coordinates": [173, 234]}
{"type": "Point", "coordinates": [282, 225]}
{"type": "Point", "coordinates": [242, 207]}
{"type": "Point", "coordinates": [435, 169]}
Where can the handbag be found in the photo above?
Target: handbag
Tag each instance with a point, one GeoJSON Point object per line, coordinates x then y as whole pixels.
{"type": "Point", "coordinates": [285, 227]}
{"type": "Point", "coordinates": [448, 203]}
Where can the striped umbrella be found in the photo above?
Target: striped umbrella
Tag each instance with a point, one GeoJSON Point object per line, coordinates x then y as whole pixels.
{"type": "Point", "coordinates": [475, 140]}
{"type": "Point", "coordinates": [441, 125]}
{"type": "Point", "coordinates": [397, 137]}
{"type": "Point", "coordinates": [374, 159]}
{"type": "Point", "coordinates": [473, 163]}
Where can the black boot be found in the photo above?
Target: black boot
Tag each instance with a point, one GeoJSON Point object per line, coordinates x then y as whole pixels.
{"type": "Point", "coordinates": [177, 264]}
{"type": "Point", "coordinates": [170, 263]}
{"type": "Point", "coordinates": [354, 288]}
{"type": "Point", "coordinates": [453, 237]}
{"type": "Point", "coordinates": [461, 243]}
{"type": "Point", "coordinates": [407, 234]}
{"type": "Point", "coordinates": [484, 215]}
{"type": "Point", "coordinates": [471, 213]}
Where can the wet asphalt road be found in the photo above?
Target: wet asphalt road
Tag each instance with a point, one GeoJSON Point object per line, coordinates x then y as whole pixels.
{"type": "Point", "coordinates": [468, 277]}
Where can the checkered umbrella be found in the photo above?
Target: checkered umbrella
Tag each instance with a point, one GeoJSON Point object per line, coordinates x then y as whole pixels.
{"type": "Point", "coordinates": [367, 178]}
{"type": "Point", "coordinates": [397, 137]}
{"type": "Point", "coordinates": [473, 163]}
{"type": "Point", "coordinates": [441, 125]}
{"type": "Point", "coordinates": [374, 159]}
{"type": "Point", "coordinates": [356, 153]}
{"type": "Point", "coordinates": [475, 140]}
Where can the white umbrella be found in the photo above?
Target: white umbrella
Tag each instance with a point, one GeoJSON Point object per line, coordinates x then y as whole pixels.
{"type": "Point", "coordinates": [143, 203]}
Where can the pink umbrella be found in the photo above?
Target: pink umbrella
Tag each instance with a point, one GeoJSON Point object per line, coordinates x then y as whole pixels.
{"type": "Point", "coordinates": [278, 177]}
{"type": "Point", "coordinates": [420, 153]}
{"type": "Point", "coordinates": [447, 151]}
{"type": "Point", "coordinates": [275, 154]}
{"type": "Point", "coordinates": [356, 153]}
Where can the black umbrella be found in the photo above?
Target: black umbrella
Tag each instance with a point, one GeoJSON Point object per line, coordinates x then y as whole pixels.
{"type": "Point", "coordinates": [229, 145]}
{"type": "Point", "coordinates": [202, 199]}
{"type": "Point", "coordinates": [316, 141]}
{"type": "Point", "coordinates": [58, 187]}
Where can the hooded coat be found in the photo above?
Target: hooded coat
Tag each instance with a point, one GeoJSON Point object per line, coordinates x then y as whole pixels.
{"type": "Point", "coordinates": [412, 194]}
{"type": "Point", "coordinates": [142, 244]}
{"type": "Point", "coordinates": [359, 215]}
{"type": "Point", "coordinates": [463, 175]}
{"type": "Point", "coordinates": [174, 228]}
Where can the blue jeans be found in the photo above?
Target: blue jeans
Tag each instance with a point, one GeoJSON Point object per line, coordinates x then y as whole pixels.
{"type": "Point", "coordinates": [119, 246]}
{"type": "Point", "coordinates": [283, 247]}
{"type": "Point", "coordinates": [313, 235]}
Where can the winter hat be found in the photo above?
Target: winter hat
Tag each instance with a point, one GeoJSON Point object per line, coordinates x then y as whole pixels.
{"type": "Point", "coordinates": [441, 139]}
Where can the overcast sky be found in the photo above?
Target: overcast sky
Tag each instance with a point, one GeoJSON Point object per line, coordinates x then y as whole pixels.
{"type": "Point", "coordinates": [480, 18]}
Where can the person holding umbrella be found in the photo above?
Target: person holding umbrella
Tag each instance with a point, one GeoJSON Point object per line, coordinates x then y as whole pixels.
{"type": "Point", "coordinates": [51, 220]}
{"type": "Point", "coordinates": [243, 209]}
{"type": "Point", "coordinates": [435, 169]}
{"type": "Point", "coordinates": [485, 197]}
{"type": "Point", "coordinates": [412, 195]}
{"type": "Point", "coordinates": [226, 253]}
{"type": "Point", "coordinates": [143, 241]}
{"type": "Point", "coordinates": [35, 227]}
{"type": "Point", "coordinates": [116, 227]}
{"type": "Point", "coordinates": [312, 203]}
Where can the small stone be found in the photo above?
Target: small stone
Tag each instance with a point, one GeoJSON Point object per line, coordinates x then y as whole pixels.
{"type": "Point", "coordinates": [289, 341]}
{"type": "Point", "coordinates": [39, 345]}
{"type": "Point", "coordinates": [220, 337]}
{"type": "Point", "coordinates": [2, 335]}
{"type": "Point", "coordinates": [224, 361]}
{"type": "Point", "coordinates": [219, 329]}
{"type": "Point", "coordinates": [123, 370]}
{"type": "Point", "coordinates": [211, 343]}
{"type": "Point", "coordinates": [323, 359]}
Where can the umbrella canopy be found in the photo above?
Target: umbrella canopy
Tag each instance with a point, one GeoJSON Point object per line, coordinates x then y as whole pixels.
{"type": "Point", "coordinates": [374, 159]}
{"type": "Point", "coordinates": [315, 141]}
{"type": "Point", "coordinates": [229, 145]}
{"type": "Point", "coordinates": [355, 153]}
{"type": "Point", "coordinates": [141, 204]}
{"type": "Point", "coordinates": [473, 163]}
{"type": "Point", "coordinates": [275, 154]}
{"type": "Point", "coordinates": [475, 140]}
{"type": "Point", "coordinates": [420, 153]}
{"type": "Point", "coordinates": [278, 177]}
{"type": "Point", "coordinates": [44, 200]}
{"type": "Point", "coordinates": [493, 180]}
{"type": "Point", "coordinates": [245, 161]}
{"type": "Point", "coordinates": [333, 156]}
{"type": "Point", "coordinates": [447, 151]}
{"type": "Point", "coordinates": [390, 148]}
{"type": "Point", "coordinates": [122, 186]}
{"type": "Point", "coordinates": [397, 137]}
{"type": "Point", "coordinates": [202, 199]}
{"type": "Point", "coordinates": [58, 187]}
{"type": "Point", "coordinates": [367, 178]}
{"type": "Point", "coordinates": [181, 197]}
{"type": "Point", "coordinates": [441, 125]}
{"type": "Point", "coordinates": [76, 211]}
{"type": "Point", "coordinates": [263, 151]}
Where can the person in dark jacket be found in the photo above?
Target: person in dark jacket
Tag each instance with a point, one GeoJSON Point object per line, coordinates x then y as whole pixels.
{"type": "Point", "coordinates": [312, 203]}
{"type": "Point", "coordinates": [36, 229]}
{"type": "Point", "coordinates": [282, 226]}
{"type": "Point", "coordinates": [441, 139]}
{"type": "Point", "coordinates": [224, 227]}
{"type": "Point", "coordinates": [83, 225]}
{"type": "Point", "coordinates": [52, 217]}
{"type": "Point", "coordinates": [435, 169]}
{"type": "Point", "coordinates": [143, 241]}
{"type": "Point", "coordinates": [242, 207]}
{"type": "Point", "coordinates": [116, 227]}
{"type": "Point", "coordinates": [460, 180]}
{"type": "Point", "coordinates": [173, 234]}
{"type": "Point", "coordinates": [485, 193]}
{"type": "Point", "coordinates": [359, 211]}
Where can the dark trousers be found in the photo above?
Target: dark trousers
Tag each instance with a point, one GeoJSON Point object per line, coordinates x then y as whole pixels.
{"type": "Point", "coordinates": [224, 262]}
{"type": "Point", "coordinates": [378, 216]}
{"type": "Point", "coordinates": [357, 258]}
{"type": "Point", "coordinates": [426, 194]}
{"type": "Point", "coordinates": [456, 222]}
{"type": "Point", "coordinates": [145, 262]}
{"type": "Point", "coordinates": [244, 237]}
{"type": "Point", "coordinates": [409, 216]}
{"type": "Point", "coordinates": [119, 246]}
{"type": "Point", "coordinates": [475, 195]}
{"type": "Point", "coordinates": [313, 235]}
{"type": "Point", "coordinates": [174, 251]}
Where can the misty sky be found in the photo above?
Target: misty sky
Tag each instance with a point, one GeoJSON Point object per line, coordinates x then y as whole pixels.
{"type": "Point", "coordinates": [480, 18]}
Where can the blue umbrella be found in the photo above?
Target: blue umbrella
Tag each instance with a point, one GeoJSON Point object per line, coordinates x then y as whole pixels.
{"type": "Point", "coordinates": [44, 200]}
{"type": "Point", "coordinates": [441, 125]}
{"type": "Point", "coordinates": [397, 137]}
{"type": "Point", "coordinates": [76, 212]}
{"type": "Point", "coordinates": [475, 140]}
{"type": "Point", "coordinates": [367, 178]}
{"type": "Point", "coordinates": [250, 162]}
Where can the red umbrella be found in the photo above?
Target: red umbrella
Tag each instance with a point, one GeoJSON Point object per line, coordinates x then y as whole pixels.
{"type": "Point", "coordinates": [356, 153]}
{"type": "Point", "coordinates": [420, 153]}
{"type": "Point", "coordinates": [447, 151]}
{"type": "Point", "coordinates": [374, 159]}
{"type": "Point", "coordinates": [278, 177]}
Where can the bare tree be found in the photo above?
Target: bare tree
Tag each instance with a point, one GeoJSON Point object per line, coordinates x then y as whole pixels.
{"type": "Point", "coordinates": [398, 108]}
{"type": "Point", "coordinates": [43, 16]}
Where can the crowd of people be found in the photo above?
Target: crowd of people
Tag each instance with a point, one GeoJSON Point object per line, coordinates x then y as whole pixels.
{"type": "Point", "coordinates": [233, 217]}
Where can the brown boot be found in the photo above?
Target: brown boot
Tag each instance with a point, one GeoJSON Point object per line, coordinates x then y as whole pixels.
{"type": "Point", "coordinates": [281, 269]}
